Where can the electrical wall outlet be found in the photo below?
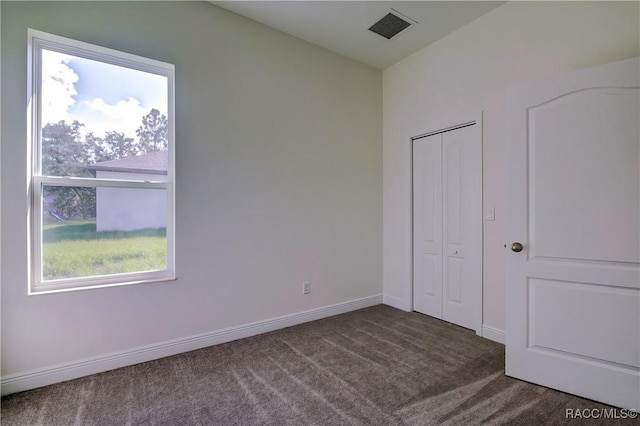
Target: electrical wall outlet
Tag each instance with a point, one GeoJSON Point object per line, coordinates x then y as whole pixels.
{"type": "Point", "coordinates": [306, 287]}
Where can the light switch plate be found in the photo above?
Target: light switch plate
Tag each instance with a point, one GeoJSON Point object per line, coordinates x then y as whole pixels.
{"type": "Point", "coordinates": [491, 214]}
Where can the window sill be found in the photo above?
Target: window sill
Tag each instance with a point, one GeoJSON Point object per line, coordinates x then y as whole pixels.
{"type": "Point", "coordinates": [53, 289]}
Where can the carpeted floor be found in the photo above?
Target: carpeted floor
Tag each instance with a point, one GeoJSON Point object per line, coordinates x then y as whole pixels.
{"type": "Point", "coordinates": [375, 366]}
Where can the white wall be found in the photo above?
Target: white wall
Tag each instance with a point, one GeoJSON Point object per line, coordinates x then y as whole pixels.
{"type": "Point", "coordinates": [467, 72]}
{"type": "Point", "coordinates": [126, 209]}
{"type": "Point", "coordinates": [278, 175]}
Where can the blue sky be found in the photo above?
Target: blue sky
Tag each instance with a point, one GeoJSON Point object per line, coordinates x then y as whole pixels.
{"type": "Point", "coordinates": [102, 96]}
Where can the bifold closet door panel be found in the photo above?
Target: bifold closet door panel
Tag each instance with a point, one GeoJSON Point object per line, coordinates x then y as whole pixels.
{"type": "Point", "coordinates": [427, 225]}
{"type": "Point", "coordinates": [462, 226]}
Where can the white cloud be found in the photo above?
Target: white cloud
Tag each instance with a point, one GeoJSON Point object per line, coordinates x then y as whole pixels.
{"type": "Point", "coordinates": [58, 86]}
{"type": "Point", "coordinates": [99, 117]}
{"type": "Point", "coordinates": [61, 101]}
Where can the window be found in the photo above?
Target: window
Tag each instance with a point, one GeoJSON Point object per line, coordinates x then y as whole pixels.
{"type": "Point", "coordinates": [102, 170]}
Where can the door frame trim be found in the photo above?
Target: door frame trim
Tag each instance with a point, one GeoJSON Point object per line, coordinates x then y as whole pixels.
{"type": "Point", "coordinates": [468, 120]}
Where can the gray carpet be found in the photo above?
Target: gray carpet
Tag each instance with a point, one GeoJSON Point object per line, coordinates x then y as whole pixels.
{"type": "Point", "coordinates": [375, 366]}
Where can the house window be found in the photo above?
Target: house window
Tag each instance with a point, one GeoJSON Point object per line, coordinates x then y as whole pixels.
{"type": "Point", "coordinates": [102, 170]}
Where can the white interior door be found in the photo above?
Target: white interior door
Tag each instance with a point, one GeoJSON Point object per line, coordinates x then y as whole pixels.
{"type": "Point", "coordinates": [447, 196]}
{"type": "Point", "coordinates": [573, 292]}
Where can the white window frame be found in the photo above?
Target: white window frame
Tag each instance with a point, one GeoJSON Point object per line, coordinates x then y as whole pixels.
{"type": "Point", "coordinates": [37, 41]}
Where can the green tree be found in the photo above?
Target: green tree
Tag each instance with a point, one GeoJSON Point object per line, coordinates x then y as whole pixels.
{"type": "Point", "coordinates": [64, 153]}
{"type": "Point", "coordinates": [68, 202]}
{"type": "Point", "coordinates": [153, 133]}
{"type": "Point", "coordinates": [114, 145]}
{"type": "Point", "coordinates": [121, 145]}
{"type": "Point", "coordinates": [98, 150]}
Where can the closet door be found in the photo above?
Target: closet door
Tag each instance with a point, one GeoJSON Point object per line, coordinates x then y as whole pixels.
{"type": "Point", "coordinates": [447, 226]}
{"type": "Point", "coordinates": [462, 227]}
{"type": "Point", "coordinates": [427, 225]}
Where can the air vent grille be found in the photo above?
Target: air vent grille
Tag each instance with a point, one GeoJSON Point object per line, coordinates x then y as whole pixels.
{"type": "Point", "coordinates": [389, 26]}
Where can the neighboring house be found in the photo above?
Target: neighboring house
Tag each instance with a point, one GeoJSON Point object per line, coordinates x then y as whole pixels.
{"type": "Point", "coordinates": [126, 209]}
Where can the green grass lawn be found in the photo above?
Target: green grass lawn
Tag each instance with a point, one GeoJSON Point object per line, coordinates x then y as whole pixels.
{"type": "Point", "coordinates": [76, 249]}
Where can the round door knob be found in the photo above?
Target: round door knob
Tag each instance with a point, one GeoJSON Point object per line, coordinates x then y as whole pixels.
{"type": "Point", "coordinates": [517, 247]}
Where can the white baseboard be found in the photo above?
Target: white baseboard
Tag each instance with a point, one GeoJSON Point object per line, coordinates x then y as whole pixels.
{"type": "Point", "coordinates": [493, 334]}
{"type": "Point", "coordinates": [394, 302]}
{"type": "Point", "coordinates": [32, 379]}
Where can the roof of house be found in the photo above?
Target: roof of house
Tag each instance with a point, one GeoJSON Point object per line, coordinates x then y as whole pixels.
{"type": "Point", "coordinates": [152, 163]}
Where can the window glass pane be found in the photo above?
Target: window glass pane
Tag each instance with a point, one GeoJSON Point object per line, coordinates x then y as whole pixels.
{"type": "Point", "coordinates": [98, 116]}
{"type": "Point", "coordinates": [90, 232]}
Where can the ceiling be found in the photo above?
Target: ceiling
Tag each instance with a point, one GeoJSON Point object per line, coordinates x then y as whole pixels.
{"type": "Point", "coordinates": [342, 26]}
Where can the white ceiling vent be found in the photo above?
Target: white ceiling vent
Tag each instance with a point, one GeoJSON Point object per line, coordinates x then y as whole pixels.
{"type": "Point", "coordinates": [391, 24]}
